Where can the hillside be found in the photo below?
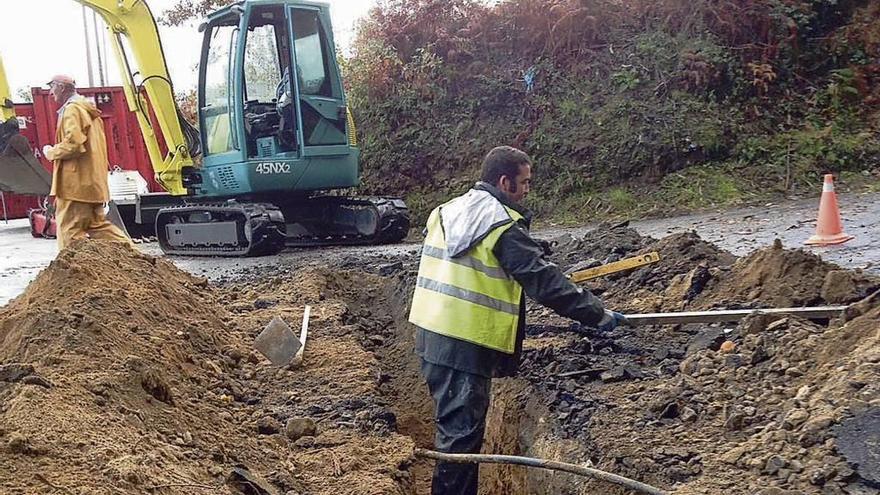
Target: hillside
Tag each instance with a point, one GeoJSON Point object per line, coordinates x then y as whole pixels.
{"type": "Point", "coordinates": [633, 107]}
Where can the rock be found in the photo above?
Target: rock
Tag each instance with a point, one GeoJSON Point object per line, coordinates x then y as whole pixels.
{"type": "Point", "coordinates": [671, 411]}
{"type": "Point", "coordinates": [14, 372]}
{"type": "Point", "coordinates": [297, 428]}
{"type": "Point", "coordinates": [727, 347]}
{"type": "Point", "coordinates": [733, 455]}
{"type": "Point", "coordinates": [688, 415]}
{"type": "Point", "coordinates": [689, 366]}
{"type": "Point", "coordinates": [794, 371]}
{"type": "Point", "coordinates": [264, 303]}
{"type": "Point", "coordinates": [840, 287]}
{"type": "Point", "coordinates": [774, 463]}
{"type": "Point", "coordinates": [777, 325]}
{"type": "Point", "coordinates": [735, 421]}
{"type": "Point", "coordinates": [795, 418]}
{"type": "Point", "coordinates": [711, 338]}
{"type": "Point", "coordinates": [858, 440]}
{"type": "Point", "coordinates": [815, 431]}
{"type": "Point", "coordinates": [390, 268]}
{"type": "Point", "coordinates": [616, 374]}
{"type": "Point", "coordinates": [803, 393]}
{"type": "Point", "coordinates": [267, 425]}
{"type": "Point", "coordinates": [661, 353]}
{"type": "Point", "coordinates": [821, 475]}
{"type": "Point", "coordinates": [620, 373]}
{"type": "Point", "coordinates": [759, 355]}
{"type": "Point", "coordinates": [733, 361]}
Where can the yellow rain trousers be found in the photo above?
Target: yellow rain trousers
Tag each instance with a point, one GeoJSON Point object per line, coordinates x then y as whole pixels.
{"type": "Point", "coordinates": [79, 178]}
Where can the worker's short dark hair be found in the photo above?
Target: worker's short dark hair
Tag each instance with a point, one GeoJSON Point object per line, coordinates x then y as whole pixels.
{"type": "Point", "coordinates": [503, 160]}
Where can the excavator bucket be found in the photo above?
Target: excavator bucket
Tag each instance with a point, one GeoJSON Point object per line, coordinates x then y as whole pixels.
{"type": "Point", "coordinates": [20, 171]}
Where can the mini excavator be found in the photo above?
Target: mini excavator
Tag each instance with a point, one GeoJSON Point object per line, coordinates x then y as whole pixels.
{"type": "Point", "coordinates": [276, 144]}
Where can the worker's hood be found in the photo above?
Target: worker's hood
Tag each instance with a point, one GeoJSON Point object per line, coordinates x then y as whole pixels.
{"type": "Point", "coordinates": [82, 104]}
{"type": "Point", "coordinates": [468, 219]}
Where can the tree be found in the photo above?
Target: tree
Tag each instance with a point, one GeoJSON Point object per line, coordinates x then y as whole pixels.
{"type": "Point", "coordinates": [23, 94]}
{"type": "Point", "coordinates": [186, 10]}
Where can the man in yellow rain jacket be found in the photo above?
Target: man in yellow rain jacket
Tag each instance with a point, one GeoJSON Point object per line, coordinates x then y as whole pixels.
{"type": "Point", "coordinates": [79, 178]}
{"type": "Point", "coordinates": [477, 264]}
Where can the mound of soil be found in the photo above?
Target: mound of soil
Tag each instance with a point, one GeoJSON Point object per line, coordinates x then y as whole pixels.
{"type": "Point", "coordinates": [753, 408]}
{"type": "Point", "coordinates": [120, 373]}
{"type": "Point", "coordinates": [693, 274]}
{"type": "Point", "coordinates": [759, 416]}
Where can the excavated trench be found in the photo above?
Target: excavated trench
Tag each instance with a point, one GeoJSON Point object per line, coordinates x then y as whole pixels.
{"type": "Point", "coordinates": [754, 407]}
{"type": "Point", "coordinates": [519, 423]}
{"type": "Point", "coordinates": [102, 393]}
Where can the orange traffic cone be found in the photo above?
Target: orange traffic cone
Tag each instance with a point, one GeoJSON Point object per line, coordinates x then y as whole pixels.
{"type": "Point", "coordinates": [829, 228]}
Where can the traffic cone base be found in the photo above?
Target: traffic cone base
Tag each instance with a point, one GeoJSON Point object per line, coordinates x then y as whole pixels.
{"type": "Point", "coordinates": [829, 228]}
{"type": "Point", "coordinates": [822, 240]}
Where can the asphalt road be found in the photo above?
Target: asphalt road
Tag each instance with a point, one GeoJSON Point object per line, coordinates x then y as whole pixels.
{"type": "Point", "coordinates": [739, 230]}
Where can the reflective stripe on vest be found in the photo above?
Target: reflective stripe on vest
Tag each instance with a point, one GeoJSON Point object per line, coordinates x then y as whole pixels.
{"type": "Point", "coordinates": [468, 297]}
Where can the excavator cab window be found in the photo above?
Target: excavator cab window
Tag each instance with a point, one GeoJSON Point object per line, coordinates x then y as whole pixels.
{"type": "Point", "coordinates": [269, 111]}
{"type": "Point", "coordinates": [322, 105]}
{"type": "Point", "coordinates": [217, 110]}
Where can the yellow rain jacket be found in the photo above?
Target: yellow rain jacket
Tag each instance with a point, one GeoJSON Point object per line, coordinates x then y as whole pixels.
{"type": "Point", "coordinates": [80, 157]}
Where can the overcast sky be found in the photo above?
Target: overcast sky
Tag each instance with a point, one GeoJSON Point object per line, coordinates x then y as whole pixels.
{"type": "Point", "coordinates": [46, 37]}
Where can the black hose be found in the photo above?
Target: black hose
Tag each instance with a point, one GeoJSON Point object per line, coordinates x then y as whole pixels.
{"type": "Point", "coordinates": [544, 464]}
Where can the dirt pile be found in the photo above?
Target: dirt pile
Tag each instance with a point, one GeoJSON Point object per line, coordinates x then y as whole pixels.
{"type": "Point", "coordinates": [770, 406]}
{"type": "Point", "coordinates": [693, 274]}
{"type": "Point", "coordinates": [120, 373]}
{"type": "Point", "coordinates": [758, 419]}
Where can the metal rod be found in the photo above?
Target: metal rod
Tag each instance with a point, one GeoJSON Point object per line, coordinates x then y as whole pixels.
{"type": "Point", "coordinates": [88, 47]}
{"type": "Point", "coordinates": [544, 464]}
{"type": "Point", "coordinates": [810, 313]}
{"type": "Point", "coordinates": [3, 199]}
{"type": "Point", "coordinates": [98, 48]}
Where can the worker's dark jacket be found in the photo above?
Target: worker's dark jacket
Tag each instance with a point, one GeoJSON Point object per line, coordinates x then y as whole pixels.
{"type": "Point", "coordinates": [523, 259]}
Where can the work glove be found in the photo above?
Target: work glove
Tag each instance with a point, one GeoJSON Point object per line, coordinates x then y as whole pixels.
{"type": "Point", "coordinates": [46, 150]}
{"type": "Point", "coordinates": [546, 246]}
{"type": "Point", "coordinates": [610, 321]}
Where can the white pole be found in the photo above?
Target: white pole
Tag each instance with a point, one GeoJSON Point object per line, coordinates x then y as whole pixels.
{"type": "Point", "coordinates": [88, 47]}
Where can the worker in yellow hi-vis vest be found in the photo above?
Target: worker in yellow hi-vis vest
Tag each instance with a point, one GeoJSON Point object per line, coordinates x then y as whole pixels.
{"type": "Point", "coordinates": [477, 263]}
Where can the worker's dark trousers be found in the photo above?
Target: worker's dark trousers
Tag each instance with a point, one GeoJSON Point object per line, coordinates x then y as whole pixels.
{"type": "Point", "coordinates": [461, 400]}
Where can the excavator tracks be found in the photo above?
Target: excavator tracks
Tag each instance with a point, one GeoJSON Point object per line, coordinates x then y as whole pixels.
{"type": "Point", "coordinates": [233, 229]}
{"type": "Point", "coordinates": [341, 220]}
{"type": "Point", "coordinates": [221, 229]}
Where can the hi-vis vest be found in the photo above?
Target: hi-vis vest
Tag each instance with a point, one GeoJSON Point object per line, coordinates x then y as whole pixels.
{"type": "Point", "coordinates": [461, 290]}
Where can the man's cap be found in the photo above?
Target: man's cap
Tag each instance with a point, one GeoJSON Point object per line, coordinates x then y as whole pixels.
{"type": "Point", "coordinates": [61, 78]}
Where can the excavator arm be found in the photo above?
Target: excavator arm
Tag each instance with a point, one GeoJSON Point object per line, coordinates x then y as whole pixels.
{"type": "Point", "coordinates": [6, 110]}
{"type": "Point", "coordinates": [138, 51]}
{"type": "Point", "coordinates": [148, 91]}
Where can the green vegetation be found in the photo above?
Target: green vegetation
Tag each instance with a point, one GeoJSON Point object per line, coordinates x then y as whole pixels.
{"type": "Point", "coordinates": [628, 108]}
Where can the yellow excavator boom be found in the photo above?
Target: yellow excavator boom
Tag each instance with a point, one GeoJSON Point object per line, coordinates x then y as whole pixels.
{"type": "Point", "coordinates": [141, 61]}
{"type": "Point", "coordinates": [6, 110]}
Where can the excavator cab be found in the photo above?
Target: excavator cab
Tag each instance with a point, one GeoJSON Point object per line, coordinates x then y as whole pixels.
{"type": "Point", "coordinates": [276, 134]}
{"type": "Point", "coordinates": [273, 114]}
